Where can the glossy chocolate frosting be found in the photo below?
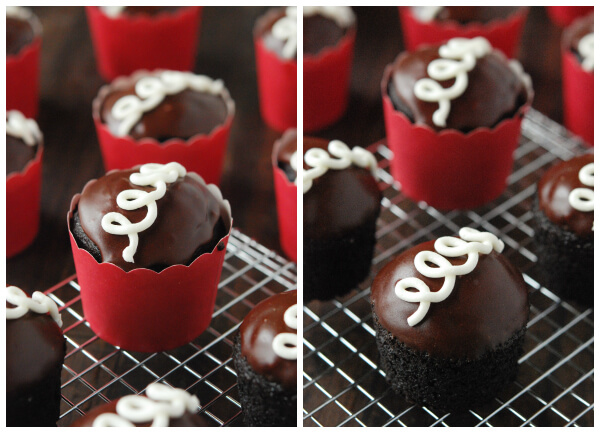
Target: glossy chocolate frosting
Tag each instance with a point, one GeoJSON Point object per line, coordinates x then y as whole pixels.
{"type": "Point", "coordinates": [18, 154]}
{"type": "Point", "coordinates": [340, 200]}
{"type": "Point", "coordinates": [495, 92]}
{"type": "Point", "coordinates": [283, 149]}
{"type": "Point", "coordinates": [575, 32]}
{"type": "Point", "coordinates": [468, 14]}
{"type": "Point", "coordinates": [257, 332]}
{"type": "Point", "coordinates": [485, 308]}
{"type": "Point", "coordinates": [19, 34]}
{"type": "Point", "coordinates": [553, 196]}
{"type": "Point", "coordinates": [190, 221]}
{"type": "Point", "coordinates": [181, 115]}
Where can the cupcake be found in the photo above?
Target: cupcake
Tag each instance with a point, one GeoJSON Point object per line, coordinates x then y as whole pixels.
{"type": "Point", "coordinates": [578, 78]}
{"type": "Point", "coordinates": [564, 223]}
{"type": "Point", "coordinates": [564, 15]}
{"type": "Point", "coordinates": [453, 119]}
{"type": "Point", "coordinates": [23, 44]}
{"type": "Point", "coordinates": [154, 237]}
{"type": "Point", "coordinates": [162, 406]}
{"type": "Point", "coordinates": [24, 149]}
{"type": "Point", "coordinates": [129, 38]}
{"type": "Point", "coordinates": [284, 174]}
{"type": "Point", "coordinates": [502, 26]}
{"type": "Point", "coordinates": [264, 354]}
{"type": "Point", "coordinates": [341, 207]}
{"type": "Point", "coordinates": [35, 351]}
{"type": "Point", "coordinates": [164, 116]}
{"type": "Point", "coordinates": [450, 335]}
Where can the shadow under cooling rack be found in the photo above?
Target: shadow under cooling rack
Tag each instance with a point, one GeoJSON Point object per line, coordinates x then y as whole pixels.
{"type": "Point", "coordinates": [343, 384]}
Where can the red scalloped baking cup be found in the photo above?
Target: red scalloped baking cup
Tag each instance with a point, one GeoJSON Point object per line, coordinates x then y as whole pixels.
{"type": "Point", "coordinates": [146, 311]}
{"type": "Point", "coordinates": [22, 80]}
{"type": "Point", "coordinates": [449, 169]}
{"type": "Point", "coordinates": [327, 83]}
{"type": "Point", "coordinates": [504, 35]}
{"type": "Point", "coordinates": [285, 195]}
{"type": "Point", "coordinates": [578, 97]}
{"type": "Point", "coordinates": [125, 43]}
{"type": "Point", "coordinates": [564, 15]}
{"type": "Point", "coordinates": [23, 205]}
{"type": "Point", "coordinates": [277, 89]}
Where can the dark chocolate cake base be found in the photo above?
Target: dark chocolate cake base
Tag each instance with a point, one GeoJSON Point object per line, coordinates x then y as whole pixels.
{"type": "Point", "coordinates": [452, 385]}
{"type": "Point", "coordinates": [265, 403]}
{"type": "Point", "coordinates": [333, 267]}
{"type": "Point", "coordinates": [565, 260]}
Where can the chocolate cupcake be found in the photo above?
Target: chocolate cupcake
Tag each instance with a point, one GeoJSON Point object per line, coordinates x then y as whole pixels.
{"type": "Point", "coordinates": [450, 335]}
{"type": "Point", "coordinates": [162, 406]}
{"type": "Point", "coordinates": [564, 222]}
{"type": "Point", "coordinates": [463, 14]}
{"type": "Point", "coordinates": [341, 207]}
{"type": "Point", "coordinates": [151, 229]}
{"type": "Point", "coordinates": [164, 116]}
{"type": "Point", "coordinates": [35, 350]}
{"type": "Point", "coordinates": [264, 354]}
{"type": "Point", "coordinates": [23, 141]}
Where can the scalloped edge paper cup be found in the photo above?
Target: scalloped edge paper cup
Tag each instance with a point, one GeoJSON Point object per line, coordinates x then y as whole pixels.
{"type": "Point", "coordinates": [286, 199]}
{"type": "Point", "coordinates": [125, 44]}
{"type": "Point", "coordinates": [503, 34]}
{"type": "Point", "coordinates": [22, 80]}
{"type": "Point", "coordinates": [23, 191]}
{"type": "Point", "coordinates": [562, 16]}
{"type": "Point", "coordinates": [145, 311]}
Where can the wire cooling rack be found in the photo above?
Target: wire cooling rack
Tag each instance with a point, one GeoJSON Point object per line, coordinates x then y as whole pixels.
{"type": "Point", "coordinates": [95, 372]}
{"type": "Point", "coordinates": [343, 384]}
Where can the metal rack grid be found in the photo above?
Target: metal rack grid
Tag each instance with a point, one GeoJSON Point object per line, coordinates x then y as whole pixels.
{"type": "Point", "coordinates": [95, 372]}
{"type": "Point", "coordinates": [343, 384]}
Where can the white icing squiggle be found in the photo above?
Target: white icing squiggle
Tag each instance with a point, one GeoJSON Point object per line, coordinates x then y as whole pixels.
{"type": "Point", "coordinates": [18, 126]}
{"type": "Point", "coordinates": [582, 199]}
{"type": "Point", "coordinates": [38, 303]}
{"type": "Point", "coordinates": [586, 50]}
{"type": "Point", "coordinates": [285, 29]}
{"type": "Point", "coordinates": [18, 12]}
{"type": "Point", "coordinates": [152, 90]}
{"type": "Point", "coordinates": [155, 175]}
{"type": "Point", "coordinates": [476, 242]}
{"type": "Point", "coordinates": [161, 404]}
{"type": "Point", "coordinates": [459, 56]}
{"type": "Point", "coordinates": [285, 344]}
{"type": "Point", "coordinates": [113, 11]}
{"type": "Point", "coordinates": [426, 13]}
{"type": "Point", "coordinates": [320, 161]}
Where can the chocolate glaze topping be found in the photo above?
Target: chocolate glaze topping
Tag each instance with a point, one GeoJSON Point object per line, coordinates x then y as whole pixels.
{"type": "Point", "coordinates": [18, 154]}
{"type": "Point", "coordinates": [553, 196]}
{"type": "Point", "coordinates": [190, 221]}
{"type": "Point", "coordinates": [19, 34]}
{"type": "Point", "coordinates": [575, 32]}
{"type": "Point", "coordinates": [340, 200]}
{"type": "Point", "coordinates": [495, 92]}
{"type": "Point", "coordinates": [485, 308]}
{"type": "Point", "coordinates": [181, 115]}
{"type": "Point", "coordinates": [468, 14]}
{"type": "Point", "coordinates": [257, 332]}
{"type": "Point", "coordinates": [283, 150]}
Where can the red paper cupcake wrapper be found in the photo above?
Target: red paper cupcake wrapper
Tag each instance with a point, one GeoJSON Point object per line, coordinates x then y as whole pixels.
{"type": "Point", "coordinates": [125, 44]}
{"type": "Point", "coordinates": [504, 35]}
{"type": "Point", "coordinates": [327, 83]}
{"type": "Point", "coordinates": [276, 87]}
{"type": "Point", "coordinates": [578, 97]}
{"type": "Point", "coordinates": [146, 311]}
{"type": "Point", "coordinates": [23, 205]}
{"type": "Point", "coordinates": [449, 169]}
{"type": "Point", "coordinates": [22, 80]}
{"type": "Point", "coordinates": [562, 16]}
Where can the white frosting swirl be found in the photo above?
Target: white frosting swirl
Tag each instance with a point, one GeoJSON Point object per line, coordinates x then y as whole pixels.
{"type": "Point", "coordinates": [586, 50]}
{"type": "Point", "coordinates": [285, 344]}
{"type": "Point", "coordinates": [38, 303]}
{"type": "Point", "coordinates": [18, 12]}
{"type": "Point", "coordinates": [476, 242]}
{"type": "Point", "coordinates": [18, 126]}
{"type": "Point", "coordinates": [582, 199]}
{"type": "Point", "coordinates": [161, 404]}
{"type": "Point", "coordinates": [426, 13]}
{"type": "Point", "coordinates": [285, 29]}
{"type": "Point", "coordinates": [155, 175]}
{"type": "Point", "coordinates": [459, 56]}
{"type": "Point", "coordinates": [112, 11]}
{"type": "Point", "coordinates": [320, 161]}
{"type": "Point", "coordinates": [152, 90]}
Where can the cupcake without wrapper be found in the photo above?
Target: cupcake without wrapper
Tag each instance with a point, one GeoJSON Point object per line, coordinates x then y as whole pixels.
{"type": "Point", "coordinates": [453, 119]}
{"type": "Point", "coordinates": [130, 38]}
{"type": "Point", "coordinates": [450, 317]}
{"type": "Point", "coordinates": [341, 206]}
{"type": "Point", "coordinates": [154, 237]}
{"type": "Point", "coordinates": [265, 353]}
{"type": "Point", "coordinates": [164, 116]}
{"type": "Point", "coordinates": [35, 351]}
{"type": "Point", "coordinates": [563, 213]}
